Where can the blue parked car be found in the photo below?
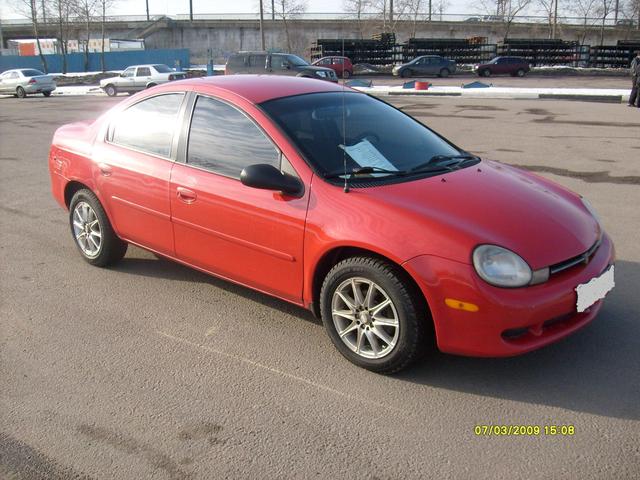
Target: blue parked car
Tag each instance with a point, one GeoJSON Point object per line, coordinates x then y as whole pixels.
{"type": "Point", "coordinates": [426, 65]}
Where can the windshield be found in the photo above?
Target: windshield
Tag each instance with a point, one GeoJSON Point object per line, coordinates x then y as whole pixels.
{"type": "Point", "coordinates": [376, 135]}
{"type": "Point", "coordinates": [162, 69]}
{"type": "Point", "coordinates": [296, 60]}
{"type": "Point", "coordinates": [31, 73]}
{"type": "Point", "coordinates": [495, 60]}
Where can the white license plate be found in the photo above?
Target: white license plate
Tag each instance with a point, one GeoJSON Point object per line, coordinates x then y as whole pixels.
{"type": "Point", "coordinates": [594, 290]}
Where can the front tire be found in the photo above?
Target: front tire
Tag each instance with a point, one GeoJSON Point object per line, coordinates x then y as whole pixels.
{"type": "Point", "coordinates": [111, 90]}
{"type": "Point", "coordinates": [373, 314]}
{"type": "Point", "coordinates": [485, 73]}
{"type": "Point", "coordinates": [92, 232]}
{"type": "Point", "coordinates": [405, 73]}
{"type": "Point", "coordinates": [444, 73]}
{"type": "Point", "coordinates": [20, 93]}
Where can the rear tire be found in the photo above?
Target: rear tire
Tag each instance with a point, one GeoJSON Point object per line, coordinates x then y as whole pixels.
{"type": "Point", "coordinates": [381, 338]}
{"type": "Point", "coordinates": [92, 231]}
{"type": "Point", "coordinates": [20, 93]}
{"type": "Point", "coordinates": [520, 73]}
{"type": "Point", "coordinates": [111, 90]}
{"type": "Point", "coordinates": [346, 74]}
{"type": "Point", "coordinates": [46, 94]}
{"type": "Point", "coordinates": [151, 85]}
{"type": "Point", "coordinates": [444, 73]}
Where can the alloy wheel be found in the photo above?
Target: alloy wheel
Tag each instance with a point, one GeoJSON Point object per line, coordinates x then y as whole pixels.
{"type": "Point", "coordinates": [87, 230]}
{"type": "Point", "coordinates": [365, 318]}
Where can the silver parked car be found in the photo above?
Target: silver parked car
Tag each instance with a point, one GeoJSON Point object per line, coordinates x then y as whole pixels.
{"type": "Point", "coordinates": [26, 81]}
{"type": "Point", "coordinates": [139, 77]}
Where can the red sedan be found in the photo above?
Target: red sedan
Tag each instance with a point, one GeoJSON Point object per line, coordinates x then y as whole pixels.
{"type": "Point", "coordinates": [331, 199]}
{"type": "Point", "coordinates": [341, 65]}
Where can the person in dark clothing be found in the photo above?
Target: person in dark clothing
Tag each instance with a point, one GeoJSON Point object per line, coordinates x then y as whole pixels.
{"type": "Point", "coordinates": [635, 81]}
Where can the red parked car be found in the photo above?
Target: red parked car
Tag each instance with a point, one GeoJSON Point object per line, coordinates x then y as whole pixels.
{"type": "Point", "coordinates": [341, 65]}
{"type": "Point", "coordinates": [514, 66]}
{"type": "Point", "coordinates": [388, 231]}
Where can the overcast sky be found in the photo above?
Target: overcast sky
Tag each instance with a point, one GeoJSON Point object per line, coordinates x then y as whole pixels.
{"type": "Point", "coordinates": [169, 7]}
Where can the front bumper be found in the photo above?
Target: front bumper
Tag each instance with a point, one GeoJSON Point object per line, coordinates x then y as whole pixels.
{"type": "Point", "coordinates": [508, 321]}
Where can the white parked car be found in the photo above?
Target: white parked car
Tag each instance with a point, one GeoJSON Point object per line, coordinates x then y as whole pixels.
{"type": "Point", "coordinates": [139, 77]}
{"type": "Point", "coordinates": [26, 81]}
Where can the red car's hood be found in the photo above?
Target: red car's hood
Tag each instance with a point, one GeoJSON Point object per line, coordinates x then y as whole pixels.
{"type": "Point", "coordinates": [498, 204]}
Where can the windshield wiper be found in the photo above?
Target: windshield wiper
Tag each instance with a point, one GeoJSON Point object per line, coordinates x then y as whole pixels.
{"type": "Point", "coordinates": [437, 162]}
{"type": "Point", "coordinates": [364, 171]}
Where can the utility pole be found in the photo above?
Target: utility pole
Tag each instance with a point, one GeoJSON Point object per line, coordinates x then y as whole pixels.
{"type": "Point", "coordinates": [555, 19]}
{"type": "Point", "coordinates": [191, 10]}
{"type": "Point", "coordinates": [615, 14]}
{"type": "Point", "coordinates": [273, 9]}
{"type": "Point", "coordinates": [44, 13]}
{"type": "Point", "coordinates": [430, 10]}
{"type": "Point", "coordinates": [391, 14]}
{"type": "Point", "coordinates": [262, 26]}
{"type": "Point", "coordinates": [147, 10]}
{"type": "Point", "coordinates": [1, 37]}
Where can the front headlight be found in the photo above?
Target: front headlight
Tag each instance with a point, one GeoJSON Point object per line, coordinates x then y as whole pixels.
{"type": "Point", "coordinates": [590, 208]}
{"type": "Point", "coordinates": [501, 267]}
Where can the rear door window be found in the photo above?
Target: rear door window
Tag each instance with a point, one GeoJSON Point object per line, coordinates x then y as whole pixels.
{"type": "Point", "coordinates": [144, 72]}
{"type": "Point", "coordinates": [149, 125]}
{"type": "Point", "coordinates": [258, 61]}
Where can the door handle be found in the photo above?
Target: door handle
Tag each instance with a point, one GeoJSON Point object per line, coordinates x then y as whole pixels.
{"type": "Point", "coordinates": [186, 195]}
{"type": "Point", "coordinates": [105, 169]}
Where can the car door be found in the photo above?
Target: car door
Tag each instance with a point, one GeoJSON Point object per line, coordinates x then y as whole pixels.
{"type": "Point", "coordinates": [337, 65]}
{"type": "Point", "coordinates": [142, 78]}
{"type": "Point", "coordinates": [11, 82]}
{"type": "Point", "coordinates": [133, 163]}
{"type": "Point", "coordinates": [4, 82]}
{"type": "Point", "coordinates": [502, 66]}
{"type": "Point", "coordinates": [248, 235]}
{"type": "Point", "coordinates": [126, 82]}
{"type": "Point", "coordinates": [258, 63]}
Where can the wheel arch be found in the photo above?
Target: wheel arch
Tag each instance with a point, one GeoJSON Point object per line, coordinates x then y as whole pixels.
{"type": "Point", "coordinates": [339, 253]}
{"type": "Point", "coordinates": [71, 188]}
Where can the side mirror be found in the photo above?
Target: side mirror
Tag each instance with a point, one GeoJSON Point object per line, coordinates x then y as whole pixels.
{"type": "Point", "coordinates": [268, 177]}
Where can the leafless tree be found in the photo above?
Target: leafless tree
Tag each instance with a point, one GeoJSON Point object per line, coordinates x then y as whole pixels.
{"type": "Point", "coordinates": [548, 8]}
{"type": "Point", "coordinates": [415, 10]}
{"type": "Point", "coordinates": [586, 10]}
{"type": "Point", "coordinates": [86, 11]}
{"type": "Point", "coordinates": [286, 10]}
{"type": "Point", "coordinates": [440, 7]}
{"type": "Point", "coordinates": [104, 6]}
{"type": "Point", "coordinates": [506, 10]}
{"type": "Point", "coordinates": [29, 8]}
{"type": "Point", "coordinates": [360, 10]}
{"type": "Point", "coordinates": [603, 9]}
{"type": "Point", "coordinates": [60, 12]}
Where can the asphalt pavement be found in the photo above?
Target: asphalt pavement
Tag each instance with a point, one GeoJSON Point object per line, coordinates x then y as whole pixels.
{"type": "Point", "coordinates": [152, 370]}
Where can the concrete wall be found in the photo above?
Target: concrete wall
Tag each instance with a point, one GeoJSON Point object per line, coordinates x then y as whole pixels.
{"type": "Point", "coordinates": [225, 36]}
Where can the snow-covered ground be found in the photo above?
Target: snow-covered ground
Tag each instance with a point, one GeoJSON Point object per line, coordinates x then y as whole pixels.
{"type": "Point", "coordinates": [499, 92]}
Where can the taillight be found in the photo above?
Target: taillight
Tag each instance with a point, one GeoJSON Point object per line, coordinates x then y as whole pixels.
{"type": "Point", "coordinates": [32, 81]}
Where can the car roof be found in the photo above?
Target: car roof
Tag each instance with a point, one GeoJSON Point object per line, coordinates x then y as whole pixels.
{"type": "Point", "coordinates": [260, 88]}
{"type": "Point", "coordinates": [146, 65]}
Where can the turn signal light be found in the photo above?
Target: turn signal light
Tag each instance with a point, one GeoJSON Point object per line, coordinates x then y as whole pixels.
{"type": "Point", "coordinates": [460, 305]}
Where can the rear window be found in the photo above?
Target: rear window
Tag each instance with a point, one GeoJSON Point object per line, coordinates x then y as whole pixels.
{"type": "Point", "coordinates": [149, 125]}
{"type": "Point", "coordinates": [31, 72]}
{"type": "Point", "coordinates": [258, 61]}
{"type": "Point", "coordinates": [162, 69]}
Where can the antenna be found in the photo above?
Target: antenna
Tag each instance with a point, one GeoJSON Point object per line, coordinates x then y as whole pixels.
{"type": "Point", "coordinates": [344, 125]}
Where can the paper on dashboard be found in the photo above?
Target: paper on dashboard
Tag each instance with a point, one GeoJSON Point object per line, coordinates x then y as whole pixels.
{"type": "Point", "coordinates": [366, 155]}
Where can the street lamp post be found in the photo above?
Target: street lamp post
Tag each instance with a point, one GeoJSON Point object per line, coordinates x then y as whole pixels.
{"type": "Point", "coordinates": [262, 26]}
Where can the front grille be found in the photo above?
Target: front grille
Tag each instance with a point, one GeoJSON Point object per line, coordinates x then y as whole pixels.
{"type": "Point", "coordinates": [572, 262]}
